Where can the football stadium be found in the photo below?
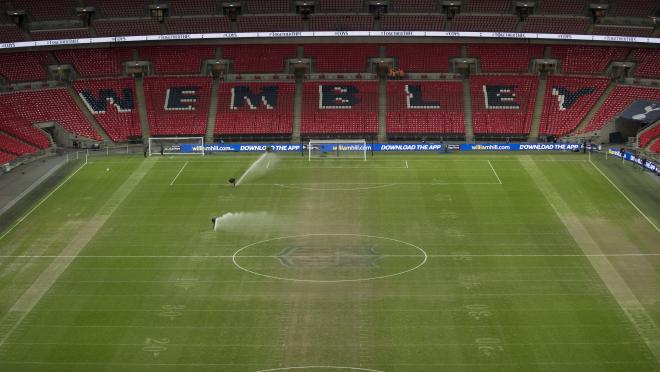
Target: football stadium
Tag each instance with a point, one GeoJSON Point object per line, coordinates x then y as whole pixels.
{"type": "Point", "coordinates": [330, 185]}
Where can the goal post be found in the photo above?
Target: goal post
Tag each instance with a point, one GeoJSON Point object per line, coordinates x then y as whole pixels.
{"type": "Point", "coordinates": [337, 149]}
{"type": "Point", "coordinates": [176, 146]}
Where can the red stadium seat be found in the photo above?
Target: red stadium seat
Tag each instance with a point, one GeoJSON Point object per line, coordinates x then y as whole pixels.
{"type": "Point", "coordinates": [413, 6]}
{"type": "Point", "coordinates": [49, 105]}
{"type": "Point", "coordinates": [40, 10]}
{"type": "Point", "coordinates": [648, 60]}
{"type": "Point", "coordinates": [341, 57]}
{"type": "Point", "coordinates": [567, 7]}
{"type": "Point", "coordinates": [77, 33]}
{"type": "Point", "coordinates": [413, 22]}
{"type": "Point", "coordinates": [177, 105]}
{"type": "Point", "coordinates": [258, 58]}
{"type": "Point", "coordinates": [567, 101]}
{"type": "Point", "coordinates": [351, 108]}
{"type": "Point", "coordinates": [24, 66]}
{"type": "Point", "coordinates": [341, 22]}
{"type": "Point", "coordinates": [6, 158]}
{"type": "Point", "coordinates": [119, 119]}
{"type": "Point", "coordinates": [649, 135]}
{"type": "Point", "coordinates": [175, 59]}
{"type": "Point", "coordinates": [423, 57]}
{"type": "Point", "coordinates": [505, 57]}
{"type": "Point", "coordinates": [266, 6]}
{"type": "Point", "coordinates": [511, 107]}
{"type": "Point", "coordinates": [197, 25]}
{"type": "Point", "coordinates": [633, 8]}
{"type": "Point", "coordinates": [340, 6]}
{"type": "Point", "coordinates": [15, 147]}
{"type": "Point", "coordinates": [10, 33]}
{"type": "Point", "coordinates": [490, 6]}
{"type": "Point", "coordinates": [556, 25]}
{"type": "Point", "coordinates": [240, 112]}
{"type": "Point", "coordinates": [193, 7]}
{"type": "Point", "coordinates": [407, 115]}
{"type": "Point", "coordinates": [127, 27]}
{"type": "Point", "coordinates": [270, 23]}
{"type": "Point", "coordinates": [20, 127]}
{"type": "Point", "coordinates": [95, 62]}
{"type": "Point", "coordinates": [485, 23]}
{"type": "Point", "coordinates": [120, 8]}
{"type": "Point", "coordinates": [583, 59]}
{"type": "Point", "coordinates": [618, 100]}
{"type": "Point", "coordinates": [622, 31]}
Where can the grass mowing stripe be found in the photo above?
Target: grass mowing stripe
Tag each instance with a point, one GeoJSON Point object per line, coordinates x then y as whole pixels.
{"type": "Point", "coordinates": [41, 202]}
{"type": "Point", "coordinates": [624, 296]}
{"type": "Point", "coordinates": [47, 278]}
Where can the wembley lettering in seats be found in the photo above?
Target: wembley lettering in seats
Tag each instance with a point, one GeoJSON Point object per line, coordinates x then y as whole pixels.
{"type": "Point", "coordinates": [338, 96]}
{"type": "Point", "coordinates": [500, 97]}
{"type": "Point", "coordinates": [181, 98]}
{"type": "Point", "coordinates": [566, 98]}
{"type": "Point", "coordinates": [97, 103]}
{"type": "Point", "coordinates": [241, 95]}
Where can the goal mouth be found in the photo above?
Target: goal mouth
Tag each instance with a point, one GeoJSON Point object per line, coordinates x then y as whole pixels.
{"type": "Point", "coordinates": [176, 146]}
{"type": "Point", "coordinates": [338, 148]}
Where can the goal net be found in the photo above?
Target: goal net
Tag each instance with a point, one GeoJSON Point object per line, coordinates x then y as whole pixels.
{"type": "Point", "coordinates": [176, 146]}
{"type": "Point", "coordinates": [337, 149]}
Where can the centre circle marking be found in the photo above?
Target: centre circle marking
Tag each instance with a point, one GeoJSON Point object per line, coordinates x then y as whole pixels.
{"type": "Point", "coordinates": [422, 255]}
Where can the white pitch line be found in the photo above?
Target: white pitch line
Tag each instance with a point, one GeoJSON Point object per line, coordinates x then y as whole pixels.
{"type": "Point", "coordinates": [384, 255]}
{"type": "Point", "coordinates": [491, 167]}
{"type": "Point", "coordinates": [177, 175]}
{"type": "Point", "coordinates": [406, 163]}
{"type": "Point", "coordinates": [41, 202]}
{"type": "Point", "coordinates": [626, 197]}
{"type": "Point", "coordinates": [268, 164]}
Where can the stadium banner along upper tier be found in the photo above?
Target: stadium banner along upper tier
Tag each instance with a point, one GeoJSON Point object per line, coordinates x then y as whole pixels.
{"type": "Point", "coordinates": [309, 34]}
{"type": "Point", "coordinates": [189, 148]}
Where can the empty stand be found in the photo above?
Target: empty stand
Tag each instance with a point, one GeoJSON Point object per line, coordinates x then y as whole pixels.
{"type": "Point", "coordinates": [39, 10]}
{"type": "Point", "coordinates": [490, 6]}
{"type": "Point", "coordinates": [648, 136]}
{"type": "Point", "coordinates": [620, 98]}
{"type": "Point", "coordinates": [413, 22]}
{"type": "Point", "coordinates": [120, 8]}
{"type": "Point", "coordinates": [49, 105]}
{"type": "Point", "coordinates": [633, 8]}
{"type": "Point", "coordinates": [192, 7]}
{"type": "Point", "coordinates": [485, 23]}
{"type": "Point", "coordinates": [113, 104]}
{"type": "Point", "coordinates": [75, 33]}
{"type": "Point", "coordinates": [505, 57]}
{"type": "Point", "coordinates": [423, 57]}
{"type": "Point", "coordinates": [340, 108]}
{"type": "Point", "coordinates": [622, 31]}
{"type": "Point", "coordinates": [197, 25]}
{"type": "Point", "coordinates": [341, 22]}
{"type": "Point", "coordinates": [266, 6]}
{"type": "Point", "coordinates": [566, 7]}
{"type": "Point", "coordinates": [258, 58]}
{"type": "Point", "coordinates": [341, 57]}
{"type": "Point", "coordinates": [502, 104]}
{"type": "Point", "coordinates": [255, 109]}
{"type": "Point", "coordinates": [582, 59]}
{"type": "Point", "coordinates": [415, 107]}
{"type": "Point", "coordinates": [270, 23]}
{"type": "Point", "coordinates": [127, 27]}
{"type": "Point", "coordinates": [9, 33]}
{"type": "Point", "coordinates": [95, 62]}
{"type": "Point", "coordinates": [556, 25]}
{"type": "Point", "coordinates": [177, 105]}
{"type": "Point", "coordinates": [412, 6]}
{"type": "Point", "coordinates": [648, 60]}
{"type": "Point", "coordinates": [15, 147]}
{"type": "Point", "coordinates": [20, 127]}
{"type": "Point", "coordinates": [340, 6]}
{"type": "Point", "coordinates": [567, 101]}
{"type": "Point", "coordinates": [24, 66]}
{"type": "Point", "coordinates": [175, 59]}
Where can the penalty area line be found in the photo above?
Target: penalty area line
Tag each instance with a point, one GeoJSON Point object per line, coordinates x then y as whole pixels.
{"type": "Point", "coordinates": [177, 175]}
{"type": "Point", "coordinates": [494, 172]}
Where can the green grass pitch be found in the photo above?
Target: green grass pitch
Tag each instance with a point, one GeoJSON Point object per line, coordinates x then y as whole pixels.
{"type": "Point", "coordinates": [405, 262]}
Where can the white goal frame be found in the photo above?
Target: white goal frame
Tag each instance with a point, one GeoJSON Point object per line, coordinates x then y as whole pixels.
{"type": "Point", "coordinates": [311, 143]}
{"type": "Point", "coordinates": [154, 149]}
